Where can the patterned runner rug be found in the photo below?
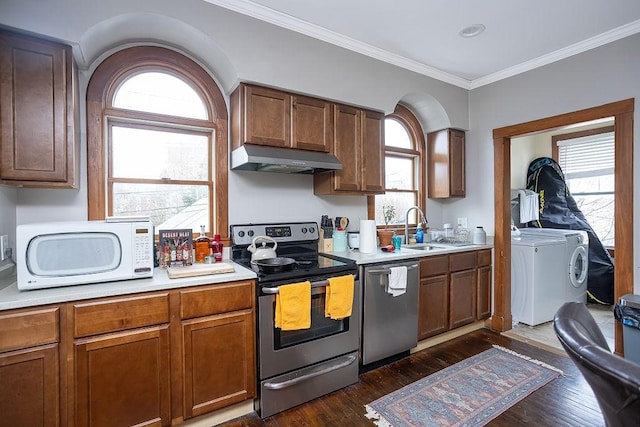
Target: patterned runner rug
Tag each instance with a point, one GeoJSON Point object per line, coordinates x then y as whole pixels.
{"type": "Point", "coordinates": [470, 393]}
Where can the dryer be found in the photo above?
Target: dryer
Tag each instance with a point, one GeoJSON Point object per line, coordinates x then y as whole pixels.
{"type": "Point", "coordinates": [576, 258]}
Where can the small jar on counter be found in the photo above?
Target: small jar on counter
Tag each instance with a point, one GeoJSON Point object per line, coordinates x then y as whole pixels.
{"type": "Point", "coordinates": [479, 236]}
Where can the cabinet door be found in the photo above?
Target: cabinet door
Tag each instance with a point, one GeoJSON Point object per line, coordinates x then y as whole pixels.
{"type": "Point", "coordinates": [37, 140]}
{"type": "Point", "coordinates": [446, 163]}
{"type": "Point", "coordinates": [433, 316]}
{"type": "Point", "coordinates": [457, 186]}
{"type": "Point", "coordinates": [347, 136]}
{"type": "Point", "coordinates": [372, 152]}
{"type": "Point", "coordinates": [219, 364]}
{"type": "Point", "coordinates": [311, 124]}
{"type": "Point", "coordinates": [267, 117]}
{"type": "Point", "coordinates": [123, 379]}
{"type": "Point", "coordinates": [29, 387]}
{"type": "Point", "coordinates": [484, 292]}
{"type": "Point", "coordinates": [462, 298]}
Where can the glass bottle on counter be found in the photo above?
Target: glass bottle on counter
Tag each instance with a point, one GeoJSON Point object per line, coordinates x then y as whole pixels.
{"type": "Point", "coordinates": [216, 248]}
{"type": "Point", "coordinates": [202, 244]}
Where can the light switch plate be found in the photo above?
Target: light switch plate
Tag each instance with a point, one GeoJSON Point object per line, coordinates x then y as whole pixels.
{"type": "Point", "coordinates": [462, 222]}
{"type": "Point", "coordinates": [4, 245]}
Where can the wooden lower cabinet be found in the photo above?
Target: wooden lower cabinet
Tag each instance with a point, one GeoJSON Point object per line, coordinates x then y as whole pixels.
{"type": "Point", "coordinates": [462, 297]}
{"type": "Point", "coordinates": [218, 362]}
{"type": "Point", "coordinates": [218, 346]}
{"type": "Point", "coordinates": [455, 290]}
{"type": "Point", "coordinates": [433, 314]}
{"type": "Point", "coordinates": [123, 379]}
{"type": "Point", "coordinates": [484, 280]}
{"type": "Point", "coordinates": [29, 390]}
{"type": "Point", "coordinates": [29, 367]}
{"type": "Point", "coordinates": [156, 359]}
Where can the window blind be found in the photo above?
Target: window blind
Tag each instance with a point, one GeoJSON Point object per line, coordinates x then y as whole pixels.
{"type": "Point", "coordinates": [587, 156]}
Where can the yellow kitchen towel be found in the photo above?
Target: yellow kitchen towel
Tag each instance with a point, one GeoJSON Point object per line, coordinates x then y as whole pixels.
{"type": "Point", "coordinates": [339, 297]}
{"type": "Point", "coordinates": [293, 306]}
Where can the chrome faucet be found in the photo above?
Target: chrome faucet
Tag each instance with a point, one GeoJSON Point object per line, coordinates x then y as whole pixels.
{"type": "Point", "coordinates": [406, 222]}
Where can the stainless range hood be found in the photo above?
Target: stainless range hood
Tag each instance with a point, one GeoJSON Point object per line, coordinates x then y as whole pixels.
{"type": "Point", "coordinates": [283, 160]}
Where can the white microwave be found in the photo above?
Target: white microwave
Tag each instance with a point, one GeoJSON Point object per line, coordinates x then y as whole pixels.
{"type": "Point", "coordinates": [54, 254]}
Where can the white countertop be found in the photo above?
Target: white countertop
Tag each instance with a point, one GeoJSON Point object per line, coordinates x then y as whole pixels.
{"type": "Point", "coordinates": [11, 297]}
{"type": "Point", "coordinates": [406, 253]}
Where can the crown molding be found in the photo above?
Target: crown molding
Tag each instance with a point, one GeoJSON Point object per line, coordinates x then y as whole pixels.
{"type": "Point", "coordinates": [280, 19]}
{"type": "Point", "coordinates": [283, 20]}
{"type": "Point", "coordinates": [574, 49]}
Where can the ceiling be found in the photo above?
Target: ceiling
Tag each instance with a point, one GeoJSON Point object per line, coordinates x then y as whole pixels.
{"type": "Point", "coordinates": [423, 35]}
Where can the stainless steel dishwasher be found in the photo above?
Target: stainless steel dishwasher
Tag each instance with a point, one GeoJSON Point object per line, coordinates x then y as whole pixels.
{"type": "Point", "coordinates": [389, 323]}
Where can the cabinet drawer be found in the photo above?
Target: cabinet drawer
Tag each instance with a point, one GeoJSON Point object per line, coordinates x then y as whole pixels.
{"type": "Point", "coordinates": [98, 317]}
{"type": "Point", "coordinates": [462, 261]}
{"type": "Point", "coordinates": [434, 265]}
{"type": "Point", "coordinates": [28, 328]}
{"type": "Point", "coordinates": [216, 299]}
{"type": "Point", "coordinates": [484, 257]}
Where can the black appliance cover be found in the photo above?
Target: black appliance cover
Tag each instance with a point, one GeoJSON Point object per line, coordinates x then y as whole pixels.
{"type": "Point", "coordinates": [558, 209]}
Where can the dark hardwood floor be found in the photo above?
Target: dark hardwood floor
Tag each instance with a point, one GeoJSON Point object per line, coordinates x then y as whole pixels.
{"type": "Point", "coordinates": [566, 401]}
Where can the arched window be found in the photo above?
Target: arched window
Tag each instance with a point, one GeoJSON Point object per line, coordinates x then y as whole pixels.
{"type": "Point", "coordinates": [157, 141]}
{"type": "Point", "coordinates": [404, 168]}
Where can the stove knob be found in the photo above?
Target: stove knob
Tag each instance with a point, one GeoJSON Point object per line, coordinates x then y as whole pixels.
{"type": "Point", "coordinates": [250, 233]}
{"type": "Point", "coordinates": [240, 233]}
{"type": "Point", "coordinates": [304, 230]}
{"type": "Point", "coordinates": [312, 230]}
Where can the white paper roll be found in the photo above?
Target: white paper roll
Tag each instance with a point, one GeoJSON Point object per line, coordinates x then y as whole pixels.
{"type": "Point", "coordinates": [368, 238]}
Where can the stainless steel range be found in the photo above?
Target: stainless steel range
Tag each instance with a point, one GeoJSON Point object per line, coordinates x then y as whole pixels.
{"type": "Point", "coordinates": [300, 365]}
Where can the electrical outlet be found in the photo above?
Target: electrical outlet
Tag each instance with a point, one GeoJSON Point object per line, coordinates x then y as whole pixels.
{"type": "Point", "coordinates": [462, 222]}
{"type": "Point", "coordinates": [4, 245]}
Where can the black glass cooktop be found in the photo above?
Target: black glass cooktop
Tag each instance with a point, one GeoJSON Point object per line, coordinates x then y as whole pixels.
{"type": "Point", "coordinates": [306, 267]}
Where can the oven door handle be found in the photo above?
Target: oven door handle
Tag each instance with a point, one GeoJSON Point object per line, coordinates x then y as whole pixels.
{"type": "Point", "coordinates": [314, 372]}
{"type": "Point", "coordinates": [319, 284]}
{"type": "Point", "coordinates": [387, 271]}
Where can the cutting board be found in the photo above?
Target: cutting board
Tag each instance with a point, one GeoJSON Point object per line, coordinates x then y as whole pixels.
{"type": "Point", "coordinates": [199, 270]}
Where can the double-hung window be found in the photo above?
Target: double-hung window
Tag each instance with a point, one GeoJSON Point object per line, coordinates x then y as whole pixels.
{"type": "Point", "coordinates": [588, 163]}
{"type": "Point", "coordinates": [157, 141]}
{"type": "Point", "coordinates": [404, 167]}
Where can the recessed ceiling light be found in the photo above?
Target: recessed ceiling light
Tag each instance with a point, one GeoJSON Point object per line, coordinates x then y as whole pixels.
{"type": "Point", "coordinates": [472, 30]}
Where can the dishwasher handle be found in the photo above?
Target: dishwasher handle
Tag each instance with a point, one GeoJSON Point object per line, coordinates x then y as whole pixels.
{"type": "Point", "coordinates": [387, 271]}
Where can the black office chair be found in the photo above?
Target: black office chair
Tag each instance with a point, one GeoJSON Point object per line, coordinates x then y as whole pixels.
{"type": "Point", "coordinates": [615, 381]}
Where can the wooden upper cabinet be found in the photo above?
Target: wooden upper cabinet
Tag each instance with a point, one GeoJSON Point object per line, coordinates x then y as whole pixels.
{"type": "Point", "coordinates": [446, 163]}
{"type": "Point", "coordinates": [265, 116]}
{"type": "Point", "coordinates": [358, 142]}
{"type": "Point", "coordinates": [372, 152]}
{"type": "Point", "coordinates": [347, 136]}
{"type": "Point", "coordinates": [311, 124]}
{"type": "Point", "coordinates": [38, 114]}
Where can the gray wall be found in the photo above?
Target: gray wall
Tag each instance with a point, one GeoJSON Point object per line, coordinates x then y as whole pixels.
{"type": "Point", "coordinates": [602, 75]}
{"type": "Point", "coordinates": [8, 201]}
{"type": "Point", "coordinates": [235, 48]}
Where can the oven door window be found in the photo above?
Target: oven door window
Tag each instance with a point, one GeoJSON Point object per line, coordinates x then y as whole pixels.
{"type": "Point", "coordinates": [321, 326]}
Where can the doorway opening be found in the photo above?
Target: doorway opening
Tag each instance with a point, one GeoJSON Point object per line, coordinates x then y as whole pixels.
{"type": "Point", "coordinates": [622, 112]}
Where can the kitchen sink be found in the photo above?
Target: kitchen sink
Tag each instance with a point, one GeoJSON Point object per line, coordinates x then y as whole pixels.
{"type": "Point", "coordinates": [424, 247]}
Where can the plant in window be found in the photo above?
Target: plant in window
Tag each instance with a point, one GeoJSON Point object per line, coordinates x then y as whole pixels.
{"type": "Point", "coordinates": [388, 213]}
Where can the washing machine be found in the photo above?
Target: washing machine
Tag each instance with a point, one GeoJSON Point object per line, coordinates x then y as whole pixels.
{"type": "Point", "coordinates": [538, 278]}
{"type": "Point", "coordinates": [577, 259]}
